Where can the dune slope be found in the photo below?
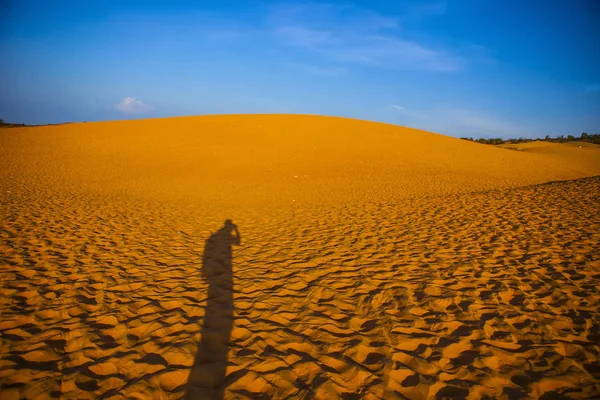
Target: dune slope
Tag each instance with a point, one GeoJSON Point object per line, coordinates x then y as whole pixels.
{"type": "Point", "coordinates": [373, 262]}
{"type": "Point", "coordinates": [274, 160]}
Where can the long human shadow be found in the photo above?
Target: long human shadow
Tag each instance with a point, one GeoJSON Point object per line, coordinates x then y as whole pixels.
{"type": "Point", "coordinates": [206, 379]}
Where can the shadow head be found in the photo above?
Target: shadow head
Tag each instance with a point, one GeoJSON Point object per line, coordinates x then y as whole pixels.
{"type": "Point", "coordinates": [229, 225]}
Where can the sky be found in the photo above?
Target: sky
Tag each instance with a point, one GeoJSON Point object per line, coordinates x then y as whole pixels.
{"type": "Point", "coordinates": [480, 68]}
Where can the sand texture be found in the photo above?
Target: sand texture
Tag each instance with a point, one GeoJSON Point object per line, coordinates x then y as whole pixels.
{"type": "Point", "coordinates": [372, 261]}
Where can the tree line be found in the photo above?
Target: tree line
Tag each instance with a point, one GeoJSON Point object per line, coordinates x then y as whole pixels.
{"type": "Point", "coordinates": [9, 125]}
{"type": "Point", "coordinates": [4, 124]}
{"type": "Point", "coordinates": [584, 137]}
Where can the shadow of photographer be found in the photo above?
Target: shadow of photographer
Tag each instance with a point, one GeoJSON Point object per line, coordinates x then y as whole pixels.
{"type": "Point", "coordinates": [206, 379]}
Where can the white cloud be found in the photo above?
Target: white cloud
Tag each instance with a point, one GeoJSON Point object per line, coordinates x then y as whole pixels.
{"type": "Point", "coordinates": [131, 105]}
{"type": "Point", "coordinates": [397, 107]}
{"type": "Point", "coordinates": [354, 35]}
{"type": "Point", "coordinates": [411, 115]}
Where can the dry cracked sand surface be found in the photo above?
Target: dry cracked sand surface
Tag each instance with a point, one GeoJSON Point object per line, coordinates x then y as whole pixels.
{"type": "Point", "coordinates": [372, 261]}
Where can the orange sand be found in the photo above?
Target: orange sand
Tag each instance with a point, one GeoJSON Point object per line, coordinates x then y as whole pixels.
{"type": "Point", "coordinates": [375, 261]}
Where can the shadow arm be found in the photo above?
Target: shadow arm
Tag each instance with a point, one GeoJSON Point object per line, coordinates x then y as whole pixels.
{"type": "Point", "coordinates": [236, 237]}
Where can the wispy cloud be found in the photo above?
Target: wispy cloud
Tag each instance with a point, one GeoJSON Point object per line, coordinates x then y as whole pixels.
{"type": "Point", "coordinates": [330, 71]}
{"type": "Point", "coordinates": [299, 36]}
{"type": "Point", "coordinates": [474, 122]}
{"type": "Point", "coordinates": [397, 108]}
{"type": "Point", "coordinates": [354, 35]}
{"type": "Point", "coordinates": [131, 105]}
{"type": "Point", "coordinates": [405, 112]}
{"type": "Point", "coordinates": [459, 122]}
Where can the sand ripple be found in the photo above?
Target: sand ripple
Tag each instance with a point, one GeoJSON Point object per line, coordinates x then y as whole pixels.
{"type": "Point", "coordinates": [487, 294]}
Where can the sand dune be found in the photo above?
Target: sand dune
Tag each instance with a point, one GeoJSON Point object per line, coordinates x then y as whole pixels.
{"type": "Point", "coordinates": [275, 160]}
{"type": "Point", "coordinates": [374, 262]}
{"type": "Point", "coordinates": [585, 153]}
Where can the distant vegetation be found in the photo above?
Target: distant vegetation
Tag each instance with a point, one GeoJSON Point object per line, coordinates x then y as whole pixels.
{"type": "Point", "coordinates": [585, 137]}
{"type": "Point", "coordinates": [4, 124]}
{"type": "Point", "coordinates": [8, 124]}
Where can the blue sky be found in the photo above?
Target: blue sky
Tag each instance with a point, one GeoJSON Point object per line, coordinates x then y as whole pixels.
{"type": "Point", "coordinates": [482, 68]}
